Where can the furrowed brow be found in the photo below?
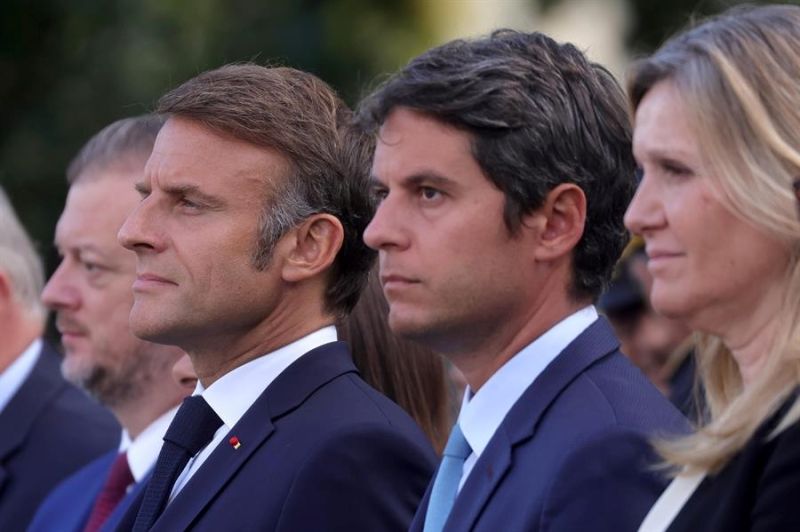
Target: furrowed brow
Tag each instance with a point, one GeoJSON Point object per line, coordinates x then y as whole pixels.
{"type": "Point", "coordinates": [194, 192]}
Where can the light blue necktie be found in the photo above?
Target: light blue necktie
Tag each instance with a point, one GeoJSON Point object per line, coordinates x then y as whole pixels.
{"type": "Point", "coordinates": [445, 486]}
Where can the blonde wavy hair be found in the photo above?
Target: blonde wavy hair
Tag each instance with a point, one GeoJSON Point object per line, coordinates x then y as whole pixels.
{"type": "Point", "coordinates": [738, 75]}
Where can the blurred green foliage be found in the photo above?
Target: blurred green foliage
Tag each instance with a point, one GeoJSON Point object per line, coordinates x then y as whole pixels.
{"type": "Point", "coordinates": [655, 21]}
{"type": "Point", "coordinates": [70, 67]}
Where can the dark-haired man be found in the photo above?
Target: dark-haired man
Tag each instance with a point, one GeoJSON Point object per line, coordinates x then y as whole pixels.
{"type": "Point", "coordinates": [503, 166]}
{"type": "Point", "coordinates": [248, 247]}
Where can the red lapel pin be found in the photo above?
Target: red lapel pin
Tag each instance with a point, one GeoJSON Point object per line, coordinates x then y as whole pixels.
{"type": "Point", "coordinates": [235, 443]}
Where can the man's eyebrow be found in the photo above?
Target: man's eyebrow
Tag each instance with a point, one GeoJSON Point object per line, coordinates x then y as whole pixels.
{"type": "Point", "coordinates": [417, 179]}
{"type": "Point", "coordinates": [194, 191]}
{"type": "Point", "coordinates": [182, 190]}
{"type": "Point", "coordinates": [429, 178]}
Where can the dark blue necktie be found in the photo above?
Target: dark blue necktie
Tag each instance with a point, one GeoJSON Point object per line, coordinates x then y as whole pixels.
{"type": "Point", "coordinates": [192, 428]}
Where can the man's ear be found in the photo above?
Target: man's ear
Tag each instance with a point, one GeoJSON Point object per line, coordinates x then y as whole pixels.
{"type": "Point", "coordinates": [560, 221]}
{"type": "Point", "coordinates": [315, 244]}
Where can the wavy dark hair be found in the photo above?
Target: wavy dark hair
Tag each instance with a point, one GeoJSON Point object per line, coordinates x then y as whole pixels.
{"type": "Point", "coordinates": [539, 114]}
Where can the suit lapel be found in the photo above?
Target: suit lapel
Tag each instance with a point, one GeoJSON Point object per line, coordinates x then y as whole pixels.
{"type": "Point", "coordinates": [292, 387]}
{"type": "Point", "coordinates": [19, 415]}
{"type": "Point", "coordinates": [490, 468]}
{"type": "Point", "coordinates": [418, 523]}
{"type": "Point", "coordinates": [520, 423]}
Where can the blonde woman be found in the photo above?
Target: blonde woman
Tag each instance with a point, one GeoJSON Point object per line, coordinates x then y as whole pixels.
{"type": "Point", "coordinates": [717, 137]}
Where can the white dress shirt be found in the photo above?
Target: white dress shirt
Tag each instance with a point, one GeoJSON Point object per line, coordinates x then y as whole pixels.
{"type": "Point", "coordinates": [12, 378]}
{"type": "Point", "coordinates": [483, 412]}
{"type": "Point", "coordinates": [143, 451]}
{"type": "Point", "coordinates": [235, 392]}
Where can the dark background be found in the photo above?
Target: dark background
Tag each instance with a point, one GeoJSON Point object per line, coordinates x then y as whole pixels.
{"type": "Point", "coordinates": [70, 67]}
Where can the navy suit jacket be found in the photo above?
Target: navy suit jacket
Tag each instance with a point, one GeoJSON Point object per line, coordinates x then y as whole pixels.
{"type": "Point", "coordinates": [320, 450]}
{"type": "Point", "coordinates": [68, 507]}
{"type": "Point", "coordinates": [572, 454]}
{"type": "Point", "coordinates": [48, 430]}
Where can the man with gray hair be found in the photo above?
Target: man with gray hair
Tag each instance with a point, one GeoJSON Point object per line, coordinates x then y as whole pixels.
{"type": "Point", "coordinates": [90, 292]}
{"type": "Point", "coordinates": [48, 428]}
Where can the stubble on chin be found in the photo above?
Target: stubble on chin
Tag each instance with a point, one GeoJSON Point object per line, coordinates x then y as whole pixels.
{"type": "Point", "coordinates": [109, 386]}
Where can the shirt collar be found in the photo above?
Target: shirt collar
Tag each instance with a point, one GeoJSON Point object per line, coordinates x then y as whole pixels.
{"type": "Point", "coordinates": [483, 412]}
{"type": "Point", "coordinates": [143, 451]}
{"type": "Point", "coordinates": [232, 394]}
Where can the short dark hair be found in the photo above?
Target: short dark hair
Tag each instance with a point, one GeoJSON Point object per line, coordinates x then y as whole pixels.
{"type": "Point", "coordinates": [128, 141]}
{"type": "Point", "coordinates": [539, 114]}
{"type": "Point", "coordinates": [301, 117]}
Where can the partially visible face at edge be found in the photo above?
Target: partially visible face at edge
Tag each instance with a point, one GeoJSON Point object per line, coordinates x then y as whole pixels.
{"type": "Point", "coordinates": [90, 292]}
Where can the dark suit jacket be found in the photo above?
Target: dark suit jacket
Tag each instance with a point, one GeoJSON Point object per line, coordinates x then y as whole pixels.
{"type": "Point", "coordinates": [48, 430]}
{"type": "Point", "coordinates": [320, 450]}
{"type": "Point", "coordinates": [572, 453]}
{"type": "Point", "coordinates": [757, 491]}
{"type": "Point", "coordinates": [68, 507]}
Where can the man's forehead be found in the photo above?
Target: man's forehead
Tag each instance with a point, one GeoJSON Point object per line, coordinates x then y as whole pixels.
{"type": "Point", "coordinates": [412, 154]}
{"type": "Point", "coordinates": [187, 152]}
{"type": "Point", "coordinates": [95, 210]}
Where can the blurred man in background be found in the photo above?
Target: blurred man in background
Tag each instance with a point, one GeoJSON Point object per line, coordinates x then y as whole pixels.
{"type": "Point", "coordinates": [91, 295]}
{"type": "Point", "coordinates": [48, 428]}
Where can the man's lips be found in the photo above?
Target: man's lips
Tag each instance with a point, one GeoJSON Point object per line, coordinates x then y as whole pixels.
{"type": "Point", "coordinates": [70, 329]}
{"type": "Point", "coordinates": [393, 279]}
{"type": "Point", "coordinates": [393, 283]}
{"type": "Point", "coordinates": [150, 280]}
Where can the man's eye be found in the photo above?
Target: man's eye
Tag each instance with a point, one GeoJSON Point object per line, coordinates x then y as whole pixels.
{"type": "Point", "coordinates": [379, 194]}
{"type": "Point", "coordinates": [183, 202]}
{"type": "Point", "coordinates": [429, 193]}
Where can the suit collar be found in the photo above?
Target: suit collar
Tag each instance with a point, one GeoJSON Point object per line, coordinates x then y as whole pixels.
{"type": "Point", "coordinates": [482, 414]}
{"type": "Point", "coordinates": [233, 393]}
{"type": "Point", "coordinates": [287, 392]}
{"type": "Point", "coordinates": [21, 412]}
{"type": "Point", "coordinates": [521, 423]}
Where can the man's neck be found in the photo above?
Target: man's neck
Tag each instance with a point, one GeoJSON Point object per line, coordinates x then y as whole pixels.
{"type": "Point", "coordinates": [482, 360]}
{"type": "Point", "coordinates": [221, 358]}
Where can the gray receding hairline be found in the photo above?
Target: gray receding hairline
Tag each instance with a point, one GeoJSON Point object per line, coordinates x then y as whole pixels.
{"type": "Point", "coordinates": [124, 143]}
{"type": "Point", "coordinates": [20, 261]}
